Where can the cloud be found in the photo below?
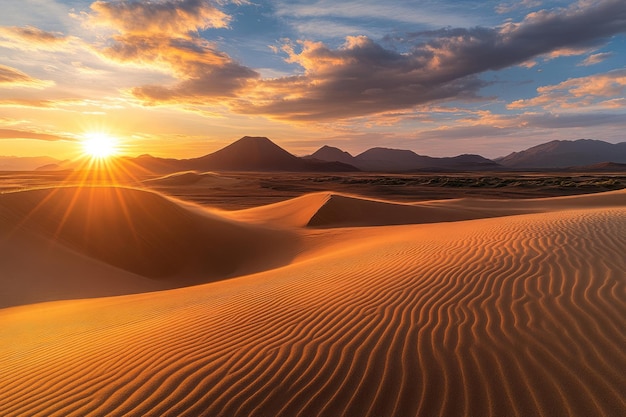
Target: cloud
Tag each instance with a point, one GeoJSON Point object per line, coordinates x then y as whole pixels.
{"type": "Point", "coordinates": [362, 77]}
{"type": "Point", "coordinates": [31, 38]}
{"type": "Point", "coordinates": [24, 134]}
{"type": "Point", "coordinates": [595, 59]}
{"type": "Point", "coordinates": [164, 36]}
{"type": "Point", "coordinates": [599, 90]}
{"type": "Point", "coordinates": [11, 77]}
{"type": "Point", "coordinates": [174, 17]}
{"type": "Point", "coordinates": [493, 135]}
{"type": "Point", "coordinates": [211, 82]}
{"type": "Point", "coordinates": [512, 124]}
{"type": "Point", "coordinates": [567, 51]}
{"type": "Point", "coordinates": [523, 4]}
{"type": "Point", "coordinates": [27, 103]}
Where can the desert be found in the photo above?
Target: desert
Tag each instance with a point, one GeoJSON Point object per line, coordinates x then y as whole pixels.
{"type": "Point", "coordinates": [124, 300]}
{"type": "Point", "coordinates": [312, 208]}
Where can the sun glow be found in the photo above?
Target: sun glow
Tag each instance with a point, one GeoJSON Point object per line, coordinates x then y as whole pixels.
{"type": "Point", "coordinates": [100, 145]}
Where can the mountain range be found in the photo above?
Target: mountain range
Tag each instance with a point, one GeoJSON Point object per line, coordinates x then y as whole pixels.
{"type": "Point", "coordinates": [26, 163]}
{"type": "Point", "coordinates": [261, 154]}
{"type": "Point", "coordinates": [401, 160]}
{"type": "Point", "coordinates": [565, 154]}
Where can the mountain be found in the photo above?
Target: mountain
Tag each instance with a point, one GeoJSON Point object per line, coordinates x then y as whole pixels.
{"type": "Point", "coordinates": [465, 162]}
{"type": "Point", "coordinates": [565, 153]}
{"type": "Point", "coordinates": [385, 159]}
{"type": "Point", "coordinates": [332, 154]}
{"type": "Point", "coordinates": [28, 163]}
{"type": "Point", "coordinates": [50, 167]}
{"type": "Point", "coordinates": [253, 153]}
{"type": "Point", "coordinates": [249, 153]}
{"type": "Point", "coordinates": [400, 160]}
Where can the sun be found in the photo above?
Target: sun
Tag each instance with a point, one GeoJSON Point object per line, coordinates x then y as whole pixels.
{"type": "Point", "coordinates": [99, 145]}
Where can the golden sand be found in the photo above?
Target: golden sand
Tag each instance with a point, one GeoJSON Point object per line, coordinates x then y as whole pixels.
{"type": "Point", "coordinates": [448, 308]}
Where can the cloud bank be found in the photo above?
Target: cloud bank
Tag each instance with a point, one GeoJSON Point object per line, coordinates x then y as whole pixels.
{"type": "Point", "coordinates": [360, 77]}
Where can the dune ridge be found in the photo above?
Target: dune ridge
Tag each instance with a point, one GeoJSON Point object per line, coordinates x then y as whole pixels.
{"type": "Point", "coordinates": [504, 316]}
{"type": "Point", "coordinates": [329, 209]}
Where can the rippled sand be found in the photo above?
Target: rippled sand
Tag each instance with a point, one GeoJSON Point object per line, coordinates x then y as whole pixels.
{"type": "Point", "coordinates": [445, 308]}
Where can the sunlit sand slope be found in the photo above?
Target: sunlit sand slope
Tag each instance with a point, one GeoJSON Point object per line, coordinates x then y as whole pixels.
{"type": "Point", "coordinates": [518, 316]}
{"type": "Point", "coordinates": [325, 209]}
{"type": "Point", "coordinates": [107, 240]}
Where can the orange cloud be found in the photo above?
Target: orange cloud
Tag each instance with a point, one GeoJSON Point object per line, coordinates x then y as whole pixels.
{"type": "Point", "coordinates": [563, 52]}
{"type": "Point", "coordinates": [164, 36]}
{"type": "Point", "coordinates": [175, 18]}
{"type": "Point", "coordinates": [362, 77]}
{"type": "Point", "coordinates": [25, 134]}
{"type": "Point", "coordinates": [31, 38]}
{"type": "Point", "coordinates": [359, 78]}
{"type": "Point", "coordinates": [11, 77]}
{"type": "Point", "coordinates": [523, 4]}
{"type": "Point", "coordinates": [595, 59]}
{"type": "Point", "coordinates": [593, 90]}
{"type": "Point", "coordinates": [26, 103]}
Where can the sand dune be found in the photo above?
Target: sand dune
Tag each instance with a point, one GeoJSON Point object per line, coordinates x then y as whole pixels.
{"type": "Point", "coordinates": [327, 209]}
{"type": "Point", "coordinates": [296, 212]}
{"type": "Point", "coordinates": [341, 210]}
{"type": "Point", "coordinates": [129, 235]}
{"type": "Point", "coordinates": [511, 316]}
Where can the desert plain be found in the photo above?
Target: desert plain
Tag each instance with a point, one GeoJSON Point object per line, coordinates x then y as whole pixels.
{"type": "Point", "coordinates": [259, 294]}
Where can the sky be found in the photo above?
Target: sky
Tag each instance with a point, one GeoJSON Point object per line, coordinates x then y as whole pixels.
{"type": "Point", "coordinates": [183, 78]}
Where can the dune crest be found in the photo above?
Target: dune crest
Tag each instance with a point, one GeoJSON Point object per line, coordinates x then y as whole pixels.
{"type": "Point", "coordinates": [295, 212]}
{"type": "Point", "coordinates": [328, 209]}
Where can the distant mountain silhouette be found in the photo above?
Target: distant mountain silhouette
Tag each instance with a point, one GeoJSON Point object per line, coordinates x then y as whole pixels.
{"type": "Point", "coordinates": [401, 160]}
{"type": "Point", "coordinates": [25, 163]}
{"type": "Point", "coordinates": [246, 154]}
{"type": "Point", "coordinates": [261, 154]}
{"type": "Point", "coordinates": [332, 154]}
{"type": "Point", "coordinates": [50, 167]}
{"type": "Point", "coordinates": [465, 162]}
{"type": "Point", "coordinates": [565, 154]}
{"type": "Point", "coordinates": [385, 159]}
